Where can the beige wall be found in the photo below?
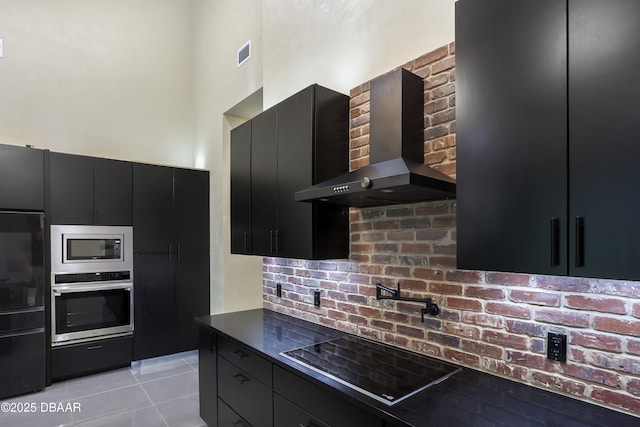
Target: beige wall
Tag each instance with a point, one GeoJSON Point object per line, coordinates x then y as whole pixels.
{"type": "Point", "coordinates": [108, 78]}
{"type": "Point", "coordinates": [156, 81]}
{"type": "Point", "coordinates": [343, 43]}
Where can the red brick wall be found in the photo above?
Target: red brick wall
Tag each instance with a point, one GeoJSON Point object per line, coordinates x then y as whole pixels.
{"type": "Point", "coordinates": [494, 322]}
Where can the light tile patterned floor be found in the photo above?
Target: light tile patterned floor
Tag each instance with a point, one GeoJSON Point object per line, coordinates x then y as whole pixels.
{"type": "Point", "coordinates": [160, 392]}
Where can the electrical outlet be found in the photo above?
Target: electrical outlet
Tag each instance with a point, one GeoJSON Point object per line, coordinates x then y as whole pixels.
{"type": "Point", "coordinates": [557, 347]}
{"type": "Point", "coordinates": [316, 298]}
{"type": "Point", "coordinates": [279, 290]}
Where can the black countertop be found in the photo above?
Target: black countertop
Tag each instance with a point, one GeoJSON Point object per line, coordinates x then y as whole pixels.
{"type": "Point", "coordinates": [468, 398]}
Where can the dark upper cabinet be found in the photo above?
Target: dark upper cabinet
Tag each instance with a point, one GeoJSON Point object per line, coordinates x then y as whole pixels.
{"type": "Point", "coordinates": [171, 261]}
{"type": "Point", "coordinates": [604, 130]}
{"type": "Point", "coordinates": [87, 190]}
{"type": "Point", "coordinates": [241, 189]}
{"type": "Point", "coordinates": [153, 216]}
{"type": "Point", "coordinates": [545, 173]}
{"type": "Point", "coordinates": [191, 201]}
{"type": "Point", "coordinates": [21, 178]}
{"type": "Point", "coordinates": [264, 183]}
{"type": "Point", "coordinates": [299, 142]}
{"type": "Point", "coordinates": [170, 209]}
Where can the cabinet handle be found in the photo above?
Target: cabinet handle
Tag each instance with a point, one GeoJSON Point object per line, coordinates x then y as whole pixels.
{"type": "Point", "coordinates": [212, 341]}
{"type": "Point", "coordinates": [94, 347]}
{"type": "Point", "coordinates": [247, 243]}
{"type": "Point", "coordinates": [555, 242]}
{"type": "Point", "coordinates": [238, 423]}
{"type": "Point", "coordinates": [309, 424]}
{"type": "Point", "coordinates": [274, 236]}
{"type": "Point", "coordinates": [579, 241]}
{"type": "Point", "coordinates": [240, 354]}
{"type": "Point", "coordinates": [240, 378]}
{"type": "Point", "coordinates": [271, 245]}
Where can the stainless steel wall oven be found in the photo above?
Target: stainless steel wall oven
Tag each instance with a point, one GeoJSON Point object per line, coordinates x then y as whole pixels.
{"type": "Point", "coordinates": [91, 283]}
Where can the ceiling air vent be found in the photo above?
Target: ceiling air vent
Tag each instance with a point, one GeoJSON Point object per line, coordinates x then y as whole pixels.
{"type": "Point", "coordinates": [244, 53]}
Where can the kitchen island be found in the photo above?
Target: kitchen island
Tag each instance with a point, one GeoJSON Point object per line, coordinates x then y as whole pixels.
{"type": "Point", "coordinates": [246, 380]}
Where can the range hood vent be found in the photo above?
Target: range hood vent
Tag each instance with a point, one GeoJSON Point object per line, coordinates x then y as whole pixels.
{"type": "Point", "coordinates": [396, 173]}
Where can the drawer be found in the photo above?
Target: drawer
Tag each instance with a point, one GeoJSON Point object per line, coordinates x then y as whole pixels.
{"type": "Point", "coordinates": [320, 402]}
{"type": "Point", "coordinates": [246, 359]}
{"type": "Point", "coordinates": [286, 414]}
{"type": "Point", "coordinates": [86, 358]}
{"type": "Point", "coordinates": [227, 417]}
{"type": "Point", "coordinates": [248, 397]}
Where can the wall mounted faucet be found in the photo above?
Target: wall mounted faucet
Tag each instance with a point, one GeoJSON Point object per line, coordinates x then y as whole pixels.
{"type": "Point", "coordinates": [394, 294]}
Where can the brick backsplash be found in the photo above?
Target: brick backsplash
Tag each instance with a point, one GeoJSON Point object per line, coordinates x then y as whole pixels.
{"type": "Point", "coordinates": [490, 321]}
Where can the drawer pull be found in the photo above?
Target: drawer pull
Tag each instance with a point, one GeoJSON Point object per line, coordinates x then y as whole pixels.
{"type": "Point", "coordinates": [309, 424]}
{"type": "Point", "coordinates": [94, 347]}
{"type": "Point", "coordinates": [240, 354]}
{"type": "Point", "coordinates": [239, 423]}
{"type": "Point", "coordinates": [241, 378]}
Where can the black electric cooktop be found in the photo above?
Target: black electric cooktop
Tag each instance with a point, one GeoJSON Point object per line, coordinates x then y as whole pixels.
{"type": "Point", "coordinates": [382, 372]}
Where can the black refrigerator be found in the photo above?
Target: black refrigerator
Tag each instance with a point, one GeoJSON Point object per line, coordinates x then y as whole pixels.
{"type": "Point", "coordinates": [22, 286]}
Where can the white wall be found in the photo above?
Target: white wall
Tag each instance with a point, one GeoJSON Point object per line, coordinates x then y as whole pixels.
{"type": "Point", "coordinates": [107, 78]}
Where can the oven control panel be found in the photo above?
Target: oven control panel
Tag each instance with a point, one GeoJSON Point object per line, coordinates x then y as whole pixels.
{"type": "Point", "coordinates": [106, 276]}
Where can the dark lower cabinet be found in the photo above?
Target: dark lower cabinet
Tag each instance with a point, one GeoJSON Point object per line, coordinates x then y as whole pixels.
{"type": "Point", "coordinates": [240, 387]}
{"type": "Point", "coordinates": [22, 362]}
{"type": "Point", "coordinates": [86, 358]}
{"type": "Point", "coordinates": [319, 402]}
{"type": "Point", "coordinates": [249, 398]}
{"type": "Point", "coordinates": [154, 306]}
{"type": "Point", "coordinates": [286, 413]}
{"type": "Point", "coordinates": [208, 376]}
{"type": "Point", "coordinates": [227, 417]}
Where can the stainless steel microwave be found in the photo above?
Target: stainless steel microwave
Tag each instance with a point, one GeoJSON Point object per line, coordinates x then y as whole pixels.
{"type": "Point", "coordinates": [83, 248]}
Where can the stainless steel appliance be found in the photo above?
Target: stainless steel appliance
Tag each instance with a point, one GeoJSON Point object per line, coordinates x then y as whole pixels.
{"type": "Point", "coordinates": [86, 248]}
{"type": "Point", "coordinates": [384, 373]}
{"type": "Point", "coordinates": [22, 333]}
{"type": "Point", "coordinates": [91, 283]}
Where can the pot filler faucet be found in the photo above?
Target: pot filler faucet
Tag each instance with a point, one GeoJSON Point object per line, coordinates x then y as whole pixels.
{"type": "Point", "coordinates": [394, 294]}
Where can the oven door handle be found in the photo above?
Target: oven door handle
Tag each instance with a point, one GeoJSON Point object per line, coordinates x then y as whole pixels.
{"type": "Point", "coordinates": [58, 290]}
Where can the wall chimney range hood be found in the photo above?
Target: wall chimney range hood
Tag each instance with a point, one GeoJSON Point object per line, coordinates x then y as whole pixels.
{"type": "Point", "coordinates": [396, 173]}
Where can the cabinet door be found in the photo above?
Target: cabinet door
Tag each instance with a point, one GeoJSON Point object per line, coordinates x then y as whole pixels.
{"type": "Point", "coordinates": [264, 183]}
{"type": "Point", "coordinates": [191, 201]}
{"type": "Point", "coordinates": [604, 131]}
{"type": "Point", "coordinates": [22, 358]}
{"type": "Point", "coordinates": [154, 299]}
{"type": "Point", "coordinates": [241, 189]}
{"type": "Point", "coordinates": [208, 376]}
{"type": "Point", "coordinates": [192, 297]}
{"type": "Point", "coordinates": [71, 182]}
{"type": "Point", "coordinates": [511, 115]}
{"type": "Point", "coordinates": [113, 192]}
{"type": "Point", "coordinates": [152, 208]}
{"type": "Point", "coordinates": [295, 172]}
{"type": "Point", "coordinates": [21, 178]}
